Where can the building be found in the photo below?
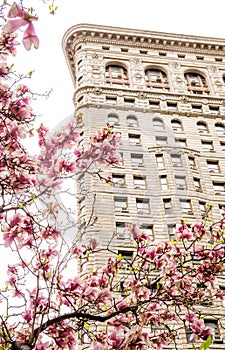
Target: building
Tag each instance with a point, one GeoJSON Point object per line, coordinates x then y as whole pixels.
{"type": "Point", "coordinates": [165, 94]}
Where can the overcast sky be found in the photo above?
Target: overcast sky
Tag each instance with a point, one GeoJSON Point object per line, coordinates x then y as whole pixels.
{"type": "Point", "coordinates": [194, 17]}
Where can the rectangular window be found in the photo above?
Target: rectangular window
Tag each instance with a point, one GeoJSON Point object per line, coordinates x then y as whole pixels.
{"type": "Point", "coordinates": [186, 206]}
{"type": "Point", "coordinates": [167, 206]}
{"type": "Point", "coordinates": [134, 140]}
{"type": "Point", "coordinates": [181, 142]}
{"type": "Point", "coordinates": [137, 160]}
{"type": "Point", "coordinates": [121, 232]}
{"type": "Point", "coordinates": [129, 101]}
{"type": "Point", "coordinates": [148, 229]}
{"type": "Point", "coordinates": [160, 160]}
{"type": "Point", "coordinates": [171, 229]}
{"type": "Point", "coordinates": [197, 184]}
{"type": "Point", "coordinates": [207, 145]}
{"type": "Point", "coordinates": [111, 100]}
{"type": "Point", "coordinates": [196, 108]}
{"type": "Point", "coordinates": [176, 160]}
{"type": "Point", "coordinates": [214, 325]}
{"type": "Point", "coordinates": [161, 140]}
{"type": "Point", "coordinates": [118, 180]}
{"type": "Point", "coordinates": [219, 187]}
{"type": "Point", "coordinates": [192, 163]}
{"type": "Point", "coordinates": [127, 257]}
{"type": "Point", "coordinates": [222, 145]}
{"type": "Point", "coordinates": [213, 166]}
{"type": "Point", "coordinates": [120, 204]}
{"type": "Point", "coordinates": [154, 104]}
{"type": "Point", "coordinates": [181, 182]}
{"type": "Point", "coordinates": [82, 206]}
{"type": "Point", "coordinates": [139, 182]}
{"type": "Point", "coordinates": [142, 205]}
{"type": "Point", "coordinates": [202, 207]}
{"type": "Point", "coordinates": [163, 182]}
{"type": "Point", "coordinates": [214, 109]}
{"type": "Point", "coordinates": [172, 106]}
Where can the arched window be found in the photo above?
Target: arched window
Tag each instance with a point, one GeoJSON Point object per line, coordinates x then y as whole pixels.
{"type": "Point", "coordinates": [116, 74]}
{"type": "Point", "coordinates": [156, 79]}
{"type": "Point", "coordinates": [113, 119]}
{"type": "Point", "coordinates": [132, 121]}
{"type": "Point", "coordinates": [176, 125]}
{"type": "Point", "coordinates": [196, 83]}
{"type": "Point", "coordinates": [220, 128]}
{"type": "Point", "coordinates": [158, 124]}
{"type": "Point", "coordinates": [202, 127]}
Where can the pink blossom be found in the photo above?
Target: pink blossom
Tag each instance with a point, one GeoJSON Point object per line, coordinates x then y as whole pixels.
{"type": "Point", "coordinates": [30, 37]}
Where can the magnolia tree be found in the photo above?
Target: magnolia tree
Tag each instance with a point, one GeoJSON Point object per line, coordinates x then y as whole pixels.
{"type": "Point", "coordinates": [138, 304]}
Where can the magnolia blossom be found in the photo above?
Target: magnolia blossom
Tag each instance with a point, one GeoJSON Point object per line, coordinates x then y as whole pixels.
{"type": "Point", "coordinates": [24, 19]}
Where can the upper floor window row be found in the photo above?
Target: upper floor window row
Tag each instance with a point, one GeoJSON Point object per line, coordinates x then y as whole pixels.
{"type": "Point", "coordinates": [157, 79]}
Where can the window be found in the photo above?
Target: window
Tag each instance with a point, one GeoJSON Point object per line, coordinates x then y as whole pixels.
{"type": "Point", "coordinates": [154, 104]}
{"type": "Point", "coordinates": [116, 75]}
{"type": "Point", "coordinates": [161, 140]}
{"type": "Point", "coordinates": [176, 125]}
{"type": "Point", "coordinates": [171, 229]}
{"type": "Point", "coordinates": [121, 231]}
{"type": "Point", "coordinates": [181, 142]}
{"type": "Point", "coordinates": [180, 55]}
{"type": "Point", "coordinates": [158, 124]}
{"type": "Point", "coordinates": [142, 205]}
{"type": "Point", "coordinates": [202, 128]}
{"type": "Point", "coordinates": [137, 160]}
{"type": "Point", "coordinates": [197, 184]}
{"type": "Point", "coordinates": [107, 48]}
{"type": "Point", "coordinates": [219, 187]}
{"type": "Point", "coordinates": [111, 100]}
{"type": "Point", "coordinates": [113, 119]}
{"type": "Point", "coordinates": [222, 145]}
{"type": "Point", "coordinates": [129, 101]}
{"type": "Point", "coordinates": [200, 58]}
{"type": "Point", "coordinates": [192, 163]}
{"type": "Point", "coordinates": [172, 106]}
{"type": "Point", "coordinates": [196, 108]}
{"type": "Point", "coordinates": [186, 206]}
{"type": "Point", "coordinates": [127, 257]}
{"type": "Point", "coordinates": [163, 182]}
{"type": "Point", "coordinates": [80, 80]}
{"type": "Point", "coordinates": [139, 182]}
{"type": "Point", "coordinates": [176, 160]}
{"type": "Point", "coordinates": [156, 79]}
{"type": "Point", "coordinates": [82, 206]}
{"type": "Point", "coordinates": [162, 54]}
{"type": "Point", "coordinates": [148, 229]}
{"type": "Point", "coordinates": [189, 335]}
{"type": "Point", "coordinates": [220, 128]}
{"type": "Point", "coordinates": [80, 100]}
{"type": "Point", "coordinates": [132, 121]}
{"type": "Point", "coordinates": [214, 109]}
{"type": "Point", "coordinates": [214, 325]}
{"type": "Point", "coordinates": [120, 204]}
{"type": "Point", "coordinates": [181, 182]}
{"type": "Point", "coordinates": [202, 207]}
{"type": "Point", "coordinates": [118, 180]}
{"type": "Point", "coordinates": [207, 145]}
{"type": "Point", "coordinates": [160, 161]}
{"type": "Point", "coordinates": [123, 49]}
{"type": "Point", "coordinates": [213, 166]}
{"type": "Point", "coordinates": [167, 206]}
{"type": "Point", "coordinates": [196, 83]}
{"type": "Point", "coordinates": [218, 59]}
{"type": "Point", "coordinates": [134, 139]}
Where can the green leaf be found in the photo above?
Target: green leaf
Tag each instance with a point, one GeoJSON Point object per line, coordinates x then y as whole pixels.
{"type": "Point", "coordinates": [120, 257]}
{"type": "Point", "coordinates": [206, 344]}
{"type": "Point", "coordinates": [194, 347]}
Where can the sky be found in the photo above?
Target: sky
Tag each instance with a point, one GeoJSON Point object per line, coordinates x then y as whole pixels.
{"type": "Point", "coordinates": [193, 17]}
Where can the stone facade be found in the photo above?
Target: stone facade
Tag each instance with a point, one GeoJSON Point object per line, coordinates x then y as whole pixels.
{"type": "Point", "coordinates": [165, 95]}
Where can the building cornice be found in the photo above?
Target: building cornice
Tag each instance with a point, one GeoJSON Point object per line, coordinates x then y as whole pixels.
{"type": "Point", "coordinates": [139, 38]}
